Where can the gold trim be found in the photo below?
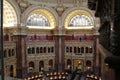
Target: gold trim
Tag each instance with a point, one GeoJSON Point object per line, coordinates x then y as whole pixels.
{"type": "Point", "coordinates": [74, 13]}
{"type": "Point", "coordinates": [48, 15]}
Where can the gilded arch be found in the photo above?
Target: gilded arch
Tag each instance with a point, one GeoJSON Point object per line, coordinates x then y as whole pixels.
{"type": "Point", "coordinates": [45, 15]}
{"type": "Point", "coordinates": [11, 13]}
{"type": "Point", "coordinates": [70, 13]}
{"type": "Point", "coordinates": [49, 13]}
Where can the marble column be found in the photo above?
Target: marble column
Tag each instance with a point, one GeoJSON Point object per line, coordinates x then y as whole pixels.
{"type": "Point", "coordinates": [59, 52]}
{"type": "Point", "coordinates": [96, 43]}
{"type": "Point", "coordinates": [21, 66]}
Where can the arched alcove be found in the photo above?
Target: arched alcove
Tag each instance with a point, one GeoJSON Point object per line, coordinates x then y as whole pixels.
{"type": "Point", "coordinates": [88, 63]}
{"type": "Point", "coordinates": [41, 65]}
{"type": "Point", "coordinates": [11, 70]}
{"type": "Point", "coordinates": [31, 66]}
{"type": "Point", "coordinates": [50, 64]}
{"type": "Point", "coordinates": [68, 62]}
{"type": "Point", "coordinates": [10, 17]}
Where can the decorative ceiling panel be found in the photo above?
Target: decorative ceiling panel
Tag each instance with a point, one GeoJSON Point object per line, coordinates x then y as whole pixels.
{"type": "Point", "coordinates": [57, 2]}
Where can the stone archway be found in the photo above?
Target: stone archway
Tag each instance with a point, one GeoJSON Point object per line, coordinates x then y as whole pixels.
{"type": "Point", "coordinates": [68, 63]}
{"type": "Point", "coordinates": [11, 71]}
{"type": "Point", "coordinates": [31, 66]}
{"type": "Point", "coordinates": [78, 64]}
{"type": "Point", "coordinates": [41, 65]}
{"type": "Point", "coordinates": [50, 64]}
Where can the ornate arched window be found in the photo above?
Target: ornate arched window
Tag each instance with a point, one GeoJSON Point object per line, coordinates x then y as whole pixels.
{"type": "Point", "coordinates": [75, 49]}
{"type": "Point", "coordinates": [37, 19]}
{"type": "Point", "coordinates": [29, 50]}
{"type": "Point", "coordinates": [37, 50]}
{"type": "Point", "coordinates": [33, 50]}
{"type": "Point", "coordinates": [9, 52]}
{"type": "Point", "coordinates": [13, 52]}
{"type": "Point", "coordinates": [52, 49]}
{"type": "Point", "coordinates": [40, 19]}
{"type": "Point", "coordinates": [41, 49]}
{"type": "Point", "coordinates": [79, 50]}
{"type": "Point", "coordinates": [80, 20]}
{"type": "Point", "coordinates": [44, 50]}
{"type": "Point", "coordinates": [90, 50]}
{"type": "Point", "coordinates": [82, 49]}
{"type": "Point", "coordinates": [70, 49]}
{"type": "Point", "coordinates": [67, 49]}
{"type": "Point", "coordinates": [48, 49]}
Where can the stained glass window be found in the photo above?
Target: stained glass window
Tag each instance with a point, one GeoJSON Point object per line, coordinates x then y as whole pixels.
{"type": "Point", "coordinates": [80, 20]}
{"type": "Point", "coordinates": [37, 19]}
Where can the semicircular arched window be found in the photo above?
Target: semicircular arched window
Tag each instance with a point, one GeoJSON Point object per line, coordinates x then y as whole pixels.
{"type": "Point", "coordinates": [37, 19]}
{"type": "Point", "coordinates": [41, 19]}
{"type": "Point", "coordinates": [80, 20]}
